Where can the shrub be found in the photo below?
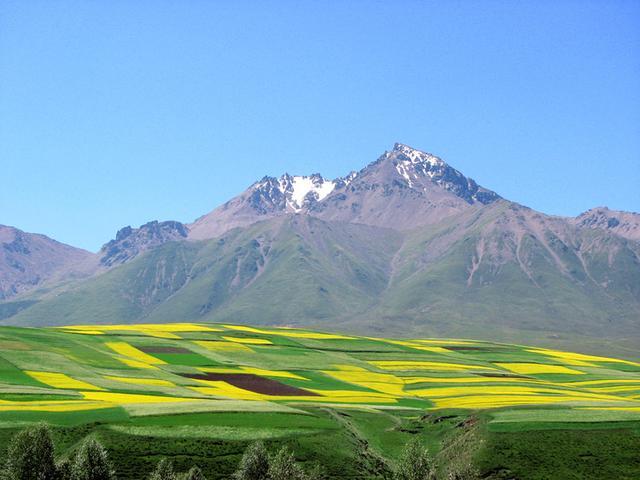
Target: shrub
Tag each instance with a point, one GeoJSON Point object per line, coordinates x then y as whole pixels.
{"type": "Point", "coordinates": [465, 472]}
{"type": "Point", "coordinates": [283, 466]}
{"type": "Point", "coordinates": [415, 463]}
{"type": "Point", "coordinates": [317, 472]}
{"type": "Point", "coordinates": [164, 471]}
{"type": "Point", "coordinates": [254, 464]}
{"type": "Point", "coordinates": [63, 469]}
{"type": "Point", "coordinates": [91, 463]}
{"type": "Point", "coordinates": [195, 474]}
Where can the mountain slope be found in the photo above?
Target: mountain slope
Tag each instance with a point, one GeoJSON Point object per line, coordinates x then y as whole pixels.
{"type": "Point", "coordinates": [288, 270]}
{"type": "Point", "coordinates": [28, 260]}
{"type": "Point", "coordinates": [513, 270]}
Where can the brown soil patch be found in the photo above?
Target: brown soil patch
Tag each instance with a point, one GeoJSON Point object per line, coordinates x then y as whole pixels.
{"type": "Point", "coordinates": [253, 383]}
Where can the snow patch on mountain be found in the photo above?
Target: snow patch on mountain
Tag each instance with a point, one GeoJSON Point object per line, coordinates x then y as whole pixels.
{"type": "Point", "coordinates": [295, 191]}
{"type": "Point", "coordinates": [298, 188]}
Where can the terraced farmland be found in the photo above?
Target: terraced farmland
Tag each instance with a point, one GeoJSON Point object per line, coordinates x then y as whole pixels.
{"type": "Point", "coordinates": [195, 386]}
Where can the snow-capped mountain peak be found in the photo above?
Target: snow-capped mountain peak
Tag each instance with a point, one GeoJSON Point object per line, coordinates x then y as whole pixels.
{"type": "Point", "coordinates": [412, 164]}
{"type": "Point", "coordinates": [416, 156]}
{"type": "Point", "coordinates": [403, 180]}
{"type": "Point", "coordinates": [419, 168]}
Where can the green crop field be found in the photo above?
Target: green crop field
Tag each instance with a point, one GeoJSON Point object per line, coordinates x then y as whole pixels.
{"type": "Point", "coordinates": [200, 392]}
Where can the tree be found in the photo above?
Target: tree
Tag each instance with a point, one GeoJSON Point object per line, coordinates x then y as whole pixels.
{"type": "Point", "coordinates": [30, 455]}
{"type": "Point", "coordinates": [92, 463]}
{"type": "Point", "coordinates": [164, 471]}
{"type": "Point", "coordinates": [63, 469]}
{"type": "Point", "coordinates": [254, 464]}
{"type": "Point", "coordinates": [415, 463]}
{"type": "Point", "coordinates": [283, 466]}
{"type": "Point", "coordinates": [195, 474]}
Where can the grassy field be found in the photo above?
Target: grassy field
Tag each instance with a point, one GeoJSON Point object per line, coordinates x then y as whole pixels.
{"type": "Point", "coordinates": [201, 392]}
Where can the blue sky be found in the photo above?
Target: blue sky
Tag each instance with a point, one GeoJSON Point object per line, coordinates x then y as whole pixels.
{"type": "Point", "coordinates": [118, 112]}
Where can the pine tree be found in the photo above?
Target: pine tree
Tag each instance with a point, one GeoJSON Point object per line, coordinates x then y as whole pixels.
{"type": "Point", "coordinates": [254, 464]}
{"type": "Point", "coordinates": [91, 463]}
{"type": "Point", "coordinates": [283, 466]}
{"type": "Point", "coordinates": [30, 455]}
{"type": "Point", "coordinates": [164, 471]}
{"type": "Point", "coordinates": [415, 463]}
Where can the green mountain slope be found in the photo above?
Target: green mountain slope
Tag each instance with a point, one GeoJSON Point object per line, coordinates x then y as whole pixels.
{"type": "Point", "coordinates": [513, 275]}
{"type": "Point", "coordinates": [504, 273]}
{"type": "Point", "coordinates": [290, 270]}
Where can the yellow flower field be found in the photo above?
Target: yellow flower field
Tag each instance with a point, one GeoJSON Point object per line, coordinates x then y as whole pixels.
{"type": "Point", "coordinates": [142, 381]}
{"type": "Point", "coordinates": [60, 380]}
{"type": "Point", "coordinates": [535, 368]}
{"type": "Point", "coordinates": [132, 352]}
{"type": "Point", "coordinates": [401, 365]}
{"type": "Point", "coordinates": [191, 363]}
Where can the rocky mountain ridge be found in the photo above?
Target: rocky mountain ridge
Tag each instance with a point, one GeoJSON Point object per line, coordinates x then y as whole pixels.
{"type": "Point", "coordinates": [624, 224]}
{"type": "Point", "coordinates": [131, 242]}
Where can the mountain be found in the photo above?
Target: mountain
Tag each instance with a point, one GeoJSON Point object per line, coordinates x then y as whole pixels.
{"type": "Point", "coordinates": [406, 246]}
{"type": "Point", "coordinates": [267, 198]}
{"type": "Point", "coordinates": [625, 224]}
{"type": "Point", "coordinates": [403, 189]}
{"type": "Point", "coordinates": [131, 242]}
{"type": "Point", "coordinates": [29, 260]}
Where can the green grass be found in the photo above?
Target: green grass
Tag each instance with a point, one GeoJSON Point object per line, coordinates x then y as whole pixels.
{"type": "Point", "coordinates": [102, 415]}
{"type": "Point", "coordinates": [534, 418]}
{"type": "Point", "coordinates": [11, 374]}
{"type": "Point", "coordinates": [565, 454]}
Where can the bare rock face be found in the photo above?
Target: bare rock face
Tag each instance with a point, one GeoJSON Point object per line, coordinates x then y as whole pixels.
{"type": "Point", "coordinates": [27, 260]}
{"type": "Point", "coordinates": [131, 242]}
{"type": "Point", "coordinates": [403, 189]}
{"type": "Point", "coordinates": [624, 224]}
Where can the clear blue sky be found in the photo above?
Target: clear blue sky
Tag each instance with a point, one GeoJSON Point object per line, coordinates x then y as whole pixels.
{"type": "Point", "coordinates": [119, 112]}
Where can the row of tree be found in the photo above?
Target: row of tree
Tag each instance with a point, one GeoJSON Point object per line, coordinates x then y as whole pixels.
{"type": "Point", "coordinates": [30, 456]}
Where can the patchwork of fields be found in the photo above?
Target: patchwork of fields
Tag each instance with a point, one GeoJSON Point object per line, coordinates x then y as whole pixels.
{"type": "Point", "coordinates": [202, 380]}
